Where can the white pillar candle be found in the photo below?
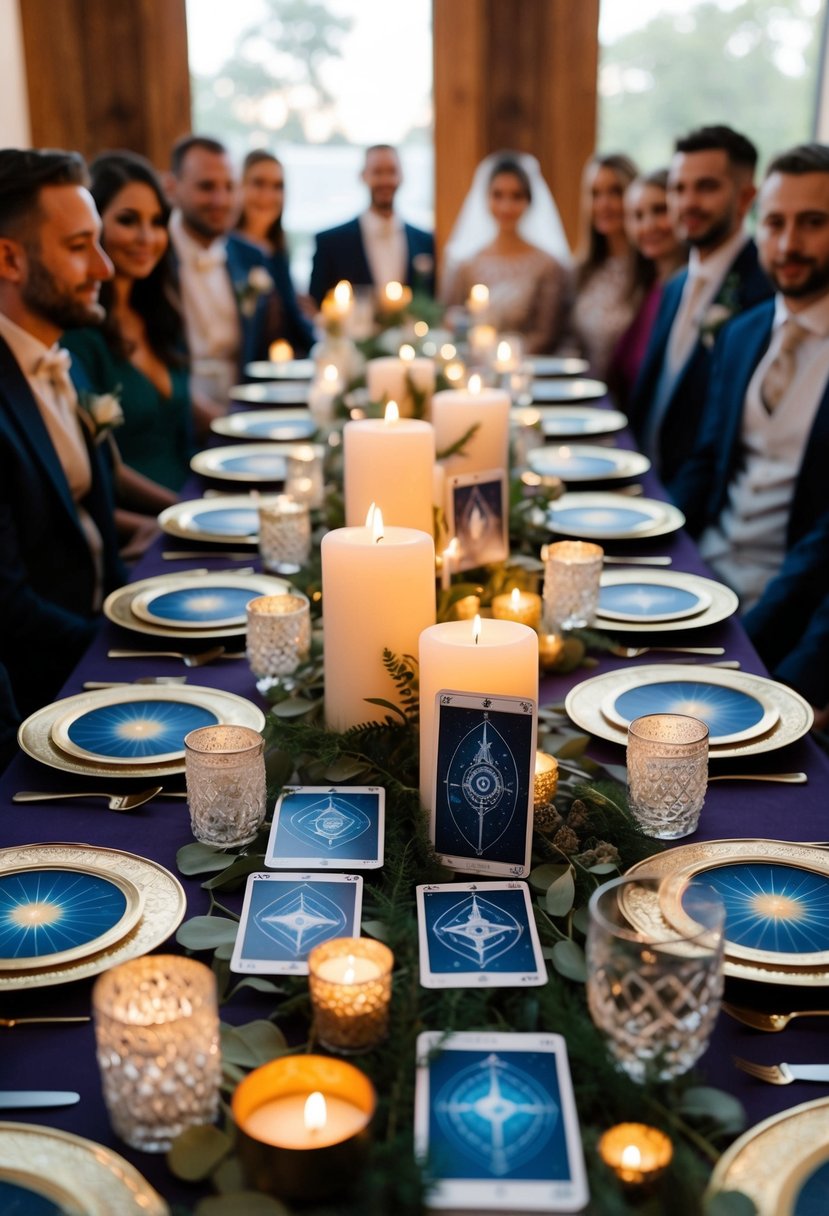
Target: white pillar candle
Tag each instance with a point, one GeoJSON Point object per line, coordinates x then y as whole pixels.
{"type": "Point", "coordinates": [376, 594]}
{"type": "Point", "coordinates": [390, 462]}
{"type": "Point", "coordinates": [388, 380]}
{"type": "Point", "coordinates": [454, 411]}
{"type": "Point", "coordinates": [502, 662]}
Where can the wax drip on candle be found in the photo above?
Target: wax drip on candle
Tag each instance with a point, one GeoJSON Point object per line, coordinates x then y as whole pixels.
{"type": "Point", "coordinates": [315, 1114]}
{"type": "Point", "coordinates": [392, 413]}
{"type": "Point", "coordinates": [476, 628]}
{"type": "Point", "coordinates": [475, 383]}
{"type": "Point", "coordinates": [406, 352]}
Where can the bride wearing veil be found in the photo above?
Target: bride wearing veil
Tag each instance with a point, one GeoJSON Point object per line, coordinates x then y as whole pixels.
{"type": "Point", "coordinates": [509, 236]}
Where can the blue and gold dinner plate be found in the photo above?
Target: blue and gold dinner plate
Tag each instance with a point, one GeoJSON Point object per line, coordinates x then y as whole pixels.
{"type": "Point", "coordinates": [143, 728]}
{"type": "Point", "coordinates": [731, 714]}
{"type": "Point", "coordinates": [649, 599]}
{"type": "Point", "coordinates": [53, 914]}
{"type": "Point", "coordinates": [196, 607]}
{"type": "Point", "coordinates": [581, 462]}
{"type": "Point", "coordinates": [295, 393]}
{"type": "Point", "coordinates": [290, 369]}
{"type": "Point", "coordinates": [278, 426]}
{"type": "Point", "coordinates": [607, 516]}
{"type": "Point", "coordinates": [561, 422]}
{"type": "Point", "coordinates": [26, 1194]}
{"type": "Point", "coordinates": [234, 517]}
{"type": "Point", "coordinates": [567, 390]}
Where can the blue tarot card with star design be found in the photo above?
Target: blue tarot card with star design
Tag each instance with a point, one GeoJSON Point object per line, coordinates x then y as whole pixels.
{"type": "Point", "coordinates": [285, 915]}
{"type": "Point", "coordinates": [478, 935]}
{"type": "Point", "coordinates": [482, 817]}
{"type": "Point", "coordinates": [328, 827]}
{"type": "Point", "coordinates": [495, 1123]}
{"type": "Point", "coordinates": [477, 516]}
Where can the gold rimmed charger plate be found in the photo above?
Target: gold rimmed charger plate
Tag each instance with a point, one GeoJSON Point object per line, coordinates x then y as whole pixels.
{"type": "Point", "coordinates": [723, 602]}
{"type": "Point", "coordinates": [267, 461]}
{"type": "Point", "coordinates": [267, 426]}
{"type": "Point", "coordinates": [556, 365]}
{"type": "Point", "coordinates": [584, 706]}
{"type": "Point", "coordinates": [99, 1182]}
{"type": "Point", "coordinates": [563, 460]}
{"type": "Point", "coordinates": [134, 903]}
{"type": "Point", "coordinates": [770, 1162]}
{"type": "Point", "coordinates": [578, 421]}
{"type": "Point", "coordinates": [163, 911]}
{"type": "Point", "coordinates": [294, 393]}
{"type": "Point", "coordinates": [656, 518]}
{"type": "Point", "coordinates": [35, 734]}
{"type": "Point", "coordinates": [118, 606]}
{"type": "Point", "coordinates": [44, 1188]}
{"type": "Point", "coordinates": [290, 369]}
{"type": "Point", "coordinates": [673, 863]}
{"type": "Point", "coordinates": [182, 519]}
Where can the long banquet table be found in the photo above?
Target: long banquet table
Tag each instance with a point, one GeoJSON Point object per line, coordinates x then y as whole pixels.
{"type": "Point", "coordinates": [48, 1057]}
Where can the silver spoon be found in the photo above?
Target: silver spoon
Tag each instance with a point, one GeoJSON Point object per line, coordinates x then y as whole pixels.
{"type": "Point", "coordinates": [117, 802]}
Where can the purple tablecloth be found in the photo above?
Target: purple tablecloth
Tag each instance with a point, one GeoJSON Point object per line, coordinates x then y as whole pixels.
{"type": "Point", "coordinates": [44, 1057]}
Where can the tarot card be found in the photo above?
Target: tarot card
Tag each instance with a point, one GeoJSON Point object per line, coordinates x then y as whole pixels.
{"type": "Point", "coordinates": [328, 827]}
{"type": "Point", "coordinates": [496, 1127]}
{"type": "Point", "coordinates": [478, 935]}
{"type": "Point", "coordinates": [477, 514]}
{"type": "Point", "coordinates": [485, 769]}
{"type": "Point", "coordinates": [285, 915]}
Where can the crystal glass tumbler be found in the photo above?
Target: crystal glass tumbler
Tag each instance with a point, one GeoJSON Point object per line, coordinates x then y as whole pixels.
{"type": "Point", "coordinates": [225, 772]}
{"type": "Point", "coordinates": [654, 972]}
{"type": "Point", "coordinates": [157, 1037]}
{"type": "Point", "coordinates": [572, 571]}
{"type": "Point", "coordinates": [667, 762]}
{"type": "Point", "coordinates": [279, 633]}
{"type": "Point", "coordinates": [284, 534]}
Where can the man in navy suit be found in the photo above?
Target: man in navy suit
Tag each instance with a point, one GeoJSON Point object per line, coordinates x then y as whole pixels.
{"type": "Point", "coordinates": [58, 551]}
{"type": "Point", "coordinates": [227, 283]}
{"type": "Point", "coordinates": [377, 247]}
{"type": "Point", "coordinates": [756, 488]}
{"type": "Point", "coordinates": [710, 190]}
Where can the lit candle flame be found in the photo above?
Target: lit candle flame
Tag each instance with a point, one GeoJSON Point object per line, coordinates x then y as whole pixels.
{"type": "Point", "coordinates": [448, 351]}
{"type": "Point", "coordinates": [453, 372]}
{"type": "Point", "coordinates": [631, 1157]}
{"type": "Point", "coordinates": [343, 295]}
{"type": "Point", "coordinates": [407, 352]}
{"type": "Point", "coordinates": [479, 294]}
{"type": "Point", "coordinates": [394, 291]}
{"type": "Point", "coordinates": [476, 628]}
{"type": "Point", "coordinates": [504, 352]}
{"type": "Point", "coordinates": [421, 328]}
{"type": "Point", "coordinates": [515, 599]}
{"type": "Point", "coordinates": [475, 383]}
{"type": "Point", "coordinates": [330, 374]}
{"type": "Point", "coordinates": [315, 1114]}
{"type": "Point", "coordinates": [392, 412]}
{"type": "Point", "coordinates": [377, 526]}
{"type": "Point", "coordinates": [349, 974]}
{"type": "Point", "coordinates": [280, 351]}
{"type": "Point", "coordinates": [370, 515]}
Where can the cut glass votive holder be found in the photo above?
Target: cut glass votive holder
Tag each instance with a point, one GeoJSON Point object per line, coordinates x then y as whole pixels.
{"type": "Point", "coordinates": [572, 574]}
{"type": "Point", "coordinates": [157, 1037]}
{"type": "Point", "coordinates": [284, 534]}
{"type": "Point", "coordinates": [304, 478]}
{"type": "Point", "coordinates": [350, 983]}
{"type": "Point", "coordinates": [225, 773]}
{"type": "Point", "coordinates": [279, 633]}
{"type": "Point", "coordinates": [667, 764]}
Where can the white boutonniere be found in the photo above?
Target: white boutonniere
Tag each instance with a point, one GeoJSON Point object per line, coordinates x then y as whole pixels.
{"type": "Point", "coordinates": [258, 283]}
{"type": "Point", "coordinates": [101, 412]}
{"type": "Point", "coordinates": [722, 309]}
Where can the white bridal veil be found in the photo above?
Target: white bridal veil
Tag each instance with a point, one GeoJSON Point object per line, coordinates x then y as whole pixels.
{"type": "Point", "coordinates": [540, 224]}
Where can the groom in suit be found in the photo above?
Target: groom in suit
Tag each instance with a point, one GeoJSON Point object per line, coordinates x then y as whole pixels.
{"type": "Point", "coordinates": [756, 486]}
{"type": "Point", "coordinates": [377, 247]}
{"type": "Point", "coordinates": [710, 190]}
{"type": "Point", "coordinates": [58, 552]}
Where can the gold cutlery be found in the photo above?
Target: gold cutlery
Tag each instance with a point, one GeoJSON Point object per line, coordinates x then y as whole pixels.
{"type": "Point", "coordinates": [772, 1022]}
{"type": "Point", "coordinates": [189, 660]}
{"type": "Point", "coordinates": [783, 1074]}
{"type": "Point", "coordinates": [117, 802]}
{"type": "Point", "coordinates": [188, 555]}
{"type": "Point", "coordinates": [633, 652]}
{"type": "Point", "coordinates": [31, 1021]}
{"type": "Point", "coordinates": [783, 778]}
{"type": "Point", "coordinates": [90, 684]}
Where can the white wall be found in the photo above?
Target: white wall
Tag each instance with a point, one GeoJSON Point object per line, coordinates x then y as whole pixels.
{"type": "Point", "coordinates": [14, 107]}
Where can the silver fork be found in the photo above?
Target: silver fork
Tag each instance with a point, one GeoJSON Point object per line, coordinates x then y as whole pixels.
{"type": "Point", "coordinates": [633, 652]}
{"type": "Point", "coordinates": [189, 660]}
{"type": "Point", "coordinates": [116, 802]}
{"type": "Point", "coordinates": [783, 1074]}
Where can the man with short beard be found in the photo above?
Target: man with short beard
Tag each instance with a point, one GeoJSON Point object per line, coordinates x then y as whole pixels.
{"type": "Point", "coordinates": [58, 552]}
{"type": "Point", "coordinates": [710, 190]}
{"type": "Point", "coordinates": [757, 488]}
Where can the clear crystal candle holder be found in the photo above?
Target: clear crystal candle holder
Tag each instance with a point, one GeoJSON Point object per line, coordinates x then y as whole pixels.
{"type": "Point", "coordinates": [572, 573]}
{"type": "Point", "coordinates": [350, 984]}
{"type": "Point", "coordinates": [654, 985]}
{"type": "Point", "coordinates": [157, 1037]}
{"type": "Point", "coordinates": [284, 534]}
{"type": "Point", "coordinates": [279, 633]}
{"type": "Point", "coordinates": [667, 764]}
{"type": "Point", "coordinates": [225, 773]}
{"type": "Point", "coordinates": [304, 477]}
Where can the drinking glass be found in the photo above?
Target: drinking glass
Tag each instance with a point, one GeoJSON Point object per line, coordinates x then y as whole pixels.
{"type": "Point", "coordinates": [572, 571]}
{"type": "Point", "coordinates": [284, 534]}
{"type": "Point", "coordinates": [654, 971]}
{"type": "Point", "coordinates": [279, 633]}
{"type": "Point", "coordinates": [304, 480]}
{"type": "Point", "coordinates": [667, 764]}
{"type": "Point", "coordinates": [224, 768]}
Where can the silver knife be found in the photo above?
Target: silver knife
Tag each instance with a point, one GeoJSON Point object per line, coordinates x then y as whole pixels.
{"type": "Point", "coordinates": [807, 1072]}
{"type": "Point", "coordinates": [18, 1099]}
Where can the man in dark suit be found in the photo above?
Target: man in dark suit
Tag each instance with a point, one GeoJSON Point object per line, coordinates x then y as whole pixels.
{"type": "Point", "coordinates": [756, 487]}
{"type": "Point", "coordinates": [710, 190]}
{"type": "Point", "coordinates": [377, 247]}
{"type": "Point", "coordinates": [58, 551]}
{"type": "Point", "coordinates": [227, 285]}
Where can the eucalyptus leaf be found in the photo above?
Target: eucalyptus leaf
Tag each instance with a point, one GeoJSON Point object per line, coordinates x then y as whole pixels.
{"type": "Point", "coordinates": [197, 858]}
{"type": "Point", "coordinates": [224, 951]}
{"type": "Point", "coordinates": [279, 767]}
{"type": "Point", "coordinates": [228, 1176]}
{"type": "Point", "coordinates": [376, 928]}
{"type": "Point", "coordinates": [197, 1151]}
{"type": "Point", "coordinates": [580, 920]}
{"type": "Point", "coordinates": [232, 1203]}
{"type": "Point", "coordinates": [252, 1044]}
{"type": "Point", "coordinates": [702, 1102]}
{"type": "Point", "coordinates": [560, 895]}
{"type": "Point", "coordinates": [542, 876]}
{"type": "Point", "coordinates": [258, 983]}
{"type": "Point", "coordinates": [292, 707]}
{"type": "Point", "coordinates": [345, 768]}
{"type": "Point", "coordinates": [604, 867]}
{"type": "Point", "coordinates": [569, 961]}
{"type": "Point", "coordinates": [233, 876]}
{"type": "Point", "coordinates": [730, 1203]}
{"type": "Point", "coordinates": [206, 932]}
{"type": "Point", "coordinates": [572, 748]}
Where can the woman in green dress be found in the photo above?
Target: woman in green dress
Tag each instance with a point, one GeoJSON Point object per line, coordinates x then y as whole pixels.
{"type": "Point", "coordinates": [139, 352]}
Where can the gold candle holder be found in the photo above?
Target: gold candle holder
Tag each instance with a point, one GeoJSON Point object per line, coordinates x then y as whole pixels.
{"type": "Point", "coordinates": [466, 608]}
{"type": "Point", "coordinates": [550, 647]}
{"type": "Point", "coordinates": [293, 1145]}
{"type": "Point", "coordinates": [637, 1153]}
{"type": "Point", "coordinates": [517, 605]}
{"type": "Point", "coordinates": [546, 779]}
{"type": "Point", "coordinates": [350, 983]}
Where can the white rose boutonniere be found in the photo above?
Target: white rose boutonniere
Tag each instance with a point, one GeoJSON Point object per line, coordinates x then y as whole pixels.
{"type": "Point", "coordinates": [722, 309]}
{"type": "Point", "coordinates": [102, 412]}
{"type": "Point", "coordinates": [258, 283]}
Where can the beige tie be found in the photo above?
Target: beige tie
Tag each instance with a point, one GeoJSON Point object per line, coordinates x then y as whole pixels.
{"type": "Point", "coordinates": [780, 372]}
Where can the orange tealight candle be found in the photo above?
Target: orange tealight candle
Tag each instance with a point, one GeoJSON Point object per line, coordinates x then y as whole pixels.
{"type": "Point", "coordinates": [637, 1153]}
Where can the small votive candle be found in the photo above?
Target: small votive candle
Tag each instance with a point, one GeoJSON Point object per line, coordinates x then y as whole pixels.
{"type": "Point", "coordinates": [280, 351]}
{"type": "Point", "coordinates": [637, 1153]}
{"type": "Point", "coordinates": [546, 779]}
{"type": "Point", "coordinates": [394, 297]}
{"type": "Point", "coordinates": [284, 534]}
{"type": "Point", "coordinates": [279, 633]}
{"type": "Point", "coordinates": [290, 1143]}
{"type": "Point", "coordinates": [224, 767]}
{"type": "Point", "coordinates": [304, 480]}
{"type": "Point", "coordinates": [350, 983]}
{"type": "Point", "coordinates": [550, 646]}
{"type": "Point", "coordinates": [517, 605]}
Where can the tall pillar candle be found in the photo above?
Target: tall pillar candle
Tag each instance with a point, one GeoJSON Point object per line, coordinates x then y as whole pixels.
{"type": "Point", "coordinates": [502, 662]}
{"type": "Point", "coordinates": [390, 462]}
{"type": "Point", "coordinates": [388, 379]}
{"type": "Point", "coordinates": [376, 594]}
{"type": "Point", "coordinates": [454, 411]}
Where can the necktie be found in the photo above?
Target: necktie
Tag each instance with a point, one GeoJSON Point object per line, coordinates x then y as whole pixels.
{"type": "Point", "coordinates": [685, 330]}
{"type": "Point", "coordinates": [780, 372]}
{"type": "Point", "coordinates": [54, 364]}
{"type": "Point", "coordinates": [208, 259]}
